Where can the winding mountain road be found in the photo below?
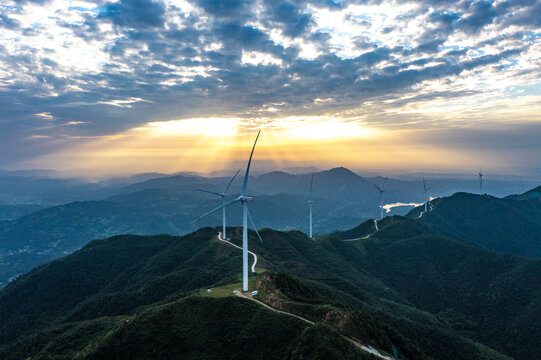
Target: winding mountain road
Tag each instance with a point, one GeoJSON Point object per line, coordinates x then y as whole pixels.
{"type": "Point", "coordinates": [368, 349]}
{"type": "Point", "coordinates": [239, 247]}
{"type": "Point", "coordinates": [367, 236]}
{"type": "Point", "coordinates": [240, 294]}
{"type": "Point", "coordinates": [430, 207]}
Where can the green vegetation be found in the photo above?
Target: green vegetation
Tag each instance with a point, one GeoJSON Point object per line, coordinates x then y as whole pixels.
{"type": "Point", "coordinates": [218, 328]}
{"type": "Point", "coordinates": [510, 225]}
{"type": "Point", "coordinates": [408, 290]}
{"type": "Point", "coordinates": [54, 232]}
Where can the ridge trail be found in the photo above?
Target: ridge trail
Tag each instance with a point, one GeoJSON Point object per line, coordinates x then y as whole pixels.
{"type": "Point", "coordinates": [365, 348]}
{"type": "Point", "coordinates": [368, 349]}
{"type": "Point", "coordinates": [430, 207]}
{"type": "Point", "coordinates": [239, 247]}
{"type": "Point", "coordinates": [367, 236]}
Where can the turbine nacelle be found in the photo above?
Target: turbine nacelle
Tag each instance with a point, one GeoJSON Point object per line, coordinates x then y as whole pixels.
{"type": "Point", "coordinates": [481, 181]}
{"type": "Point", "coordinates": [381, 191]}
{"type": "Point", "coordinates": [245, 198]}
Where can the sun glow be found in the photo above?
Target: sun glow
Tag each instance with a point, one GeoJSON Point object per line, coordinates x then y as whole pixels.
{"type": "Point", "coordinates": [208, 144]}
{"type": "Point", "coordinates": [208, 127]}
{"type": "Point", "coordinates": [211, 144]}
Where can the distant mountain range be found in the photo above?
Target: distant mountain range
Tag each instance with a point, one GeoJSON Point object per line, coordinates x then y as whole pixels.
{"type": "Point", "coordinates": [404, 290]}
{"type": "Point", "coordinates": [47, 188]}
{"type": "Point", "coordinates": [170, 204]}
{"type": "Point", "coordinates": [11, 212]}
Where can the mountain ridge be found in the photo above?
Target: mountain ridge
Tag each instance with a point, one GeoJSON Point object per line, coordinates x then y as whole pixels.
{"type": "Point", "coordinates": [372, 276]}
{"type": "Point", "coordinates": [507, 225]}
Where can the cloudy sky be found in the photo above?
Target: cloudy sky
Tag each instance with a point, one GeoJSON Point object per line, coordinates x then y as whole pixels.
{"type": "Point", "coordinates": [135, 85]}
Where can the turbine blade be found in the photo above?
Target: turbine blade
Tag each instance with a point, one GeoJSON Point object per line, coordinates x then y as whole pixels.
{"type": "Point", "coordinates": [311, 183]}
{"type": "Point", "coordinates": [210, 192]}
{"type": "Point", "coordinates": [227, 203]}
{"type": "Point", "coordinates": [253, 225]}
{"type": "Point", "coordinates": [377, 187]}
{"type": "Point", "coordinates": [387, 178]}
{"type": "Point", "coordinates": [245, 184]}
{"type": "Point", "coordinates": [230, 182]}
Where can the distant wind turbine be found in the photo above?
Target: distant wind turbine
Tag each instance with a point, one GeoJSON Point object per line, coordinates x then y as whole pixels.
{"type": "Point", "coordinates": [380, 189]}
{"type": "Point", "coordinates": [427, 199]}
{"type": "Point", "coordinates": [243, 199]}
{"type": "Point", "coordinates": [309, 203]}
{"type": "Point", "coordinates": [481, 181]}
{"type": "Point", "coordinates": [223, 194]}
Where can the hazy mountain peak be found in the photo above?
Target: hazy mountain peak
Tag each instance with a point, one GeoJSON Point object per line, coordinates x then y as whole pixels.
{"type": "Point", "coordinates": [276, 173]}
{"type": "Point", "coordinates": [532, 194]}
{"type": "Point", "coordinates": [340, 171]}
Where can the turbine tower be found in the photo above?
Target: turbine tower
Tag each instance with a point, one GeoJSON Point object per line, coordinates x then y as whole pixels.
{"type": "Point", "coordinates": [481, 181]}
{"type": "Point", "coordinates": [223, 194]}
{"type": "Point", "coordinates": [243, 199]}
{"type": "Point", "coordinates": [427, 199]}
{"type": "Point", "coordinates": [309, 203]}
{"type": "Point", "coordinates": [380, 189]}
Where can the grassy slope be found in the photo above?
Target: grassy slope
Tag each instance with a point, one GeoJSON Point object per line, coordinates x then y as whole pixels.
{"type": "Point", "coordinates": [141, 271]}
{"type": "Point", "coordinates": [53, 232]}
{"type": "Point", "coordinates": [225, 328]}
{"type": "Point", "coordinates": [488, 297]}
{"type": "Point", "coordinates": [191, 328]}
{"type": "Point", "coordinates": [509, 225]}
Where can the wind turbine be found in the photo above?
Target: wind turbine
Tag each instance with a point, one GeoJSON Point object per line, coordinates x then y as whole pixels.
{"type": "Point", "coordinates": [427, 199]}
{"type": "Point", "coordinates": [243, 199]}
{"type": "Point", "coordinates": [309, 203]}
{"type": "Point", "coordinates": [380, 189]}
{"type": "Point", "coordinates": [481, 181]}
{"type": "Point", "coordinates": [223, 194]}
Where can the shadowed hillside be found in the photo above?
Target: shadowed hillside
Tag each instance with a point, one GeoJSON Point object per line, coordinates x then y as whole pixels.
{"type": "Point", "coordinates": [411, 290]}
{"type": "Point", "coordinates": [508, 225]}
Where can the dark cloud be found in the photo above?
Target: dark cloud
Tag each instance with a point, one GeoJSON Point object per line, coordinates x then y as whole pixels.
{"type": "Point", "coordinates": [496, 136]}
{"type": "Point", "coordinates": [371, 58]}
{"type": "Point", "coordinates": [443, 25]}
{"type": "Point", "coordinates": [481, 13]}
{"type": "Point", "coordinates": [293, 20]}
{"type": "Point", "coordinates": [9, 23]}
{"type": "Point", "coordinates": [177, 64]}
{"type": "Point", "coordinates": [525, 13]}
{"type": "Point", "coordinates": [39, 2]}
{"type": "Point", "coordinates": [226, 8]}
{"type": "Point", "coordinates": [134, 13]}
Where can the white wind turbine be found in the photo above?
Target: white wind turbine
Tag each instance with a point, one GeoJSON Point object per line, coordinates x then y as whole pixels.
{"type": "Point", "coordinates": [427, 199]}
{"type": "Point", "coordinates": [481, 181]}
{"type": "Point", "coordinates": [223, 194]}
{"type": "Point", "coordinates": [243, 199]}
{"type": "Point", "coordinates": [309, 203]}
{"type": "Point", "coordinates": [380, 189]}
